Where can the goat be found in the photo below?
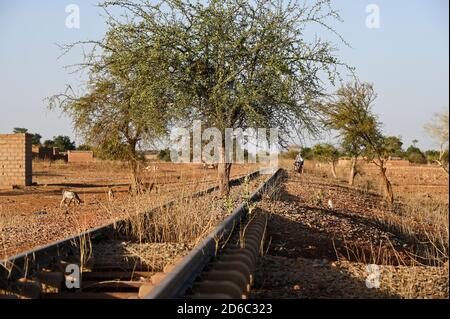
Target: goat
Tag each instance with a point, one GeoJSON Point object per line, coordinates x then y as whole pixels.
{"type": "Point", "coordinates": [71, 196]}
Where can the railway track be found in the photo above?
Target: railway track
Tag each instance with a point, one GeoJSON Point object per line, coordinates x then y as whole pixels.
{"type": "Point", "coordinates": [219, 267]}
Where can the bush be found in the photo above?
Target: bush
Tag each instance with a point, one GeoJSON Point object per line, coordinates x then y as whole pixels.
{"type": "Point", "coordinates": [432, 156]}
{"type": "Point", "coordinates": [417, 158]}
{"type": "Point", "coordinates": [325, 153]}
{"type": "Point", "coordinates": [111, 150]}
{"type": "Point", "coordinates": [63, 143]}
{"type": "Point", "coordinates": [291, 154]}
{"type": "Point", "coordinates": [84, 147]}
{"type": "Point", "coordinates": [164, 155]}
{"type": "Point", "coordinates": [306, 152]}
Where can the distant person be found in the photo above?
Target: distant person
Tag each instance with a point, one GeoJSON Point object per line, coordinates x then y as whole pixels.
{"type": "Point", "coordinates": [299, 163]}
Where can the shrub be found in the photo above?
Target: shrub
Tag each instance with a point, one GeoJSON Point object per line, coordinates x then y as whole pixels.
{"type": "Point", "coordinates": [291, 154]}
{"type": "Point", "coordinates": [417, 158]}
{"type": "Point", "coordinates": [84, 147]}
{"type": "Point", "coordinates": [164, 155]}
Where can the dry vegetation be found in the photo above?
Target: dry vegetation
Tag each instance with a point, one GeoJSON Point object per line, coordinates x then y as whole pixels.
{"type": "Point", "coordinates": [153, 240]}
{"type": "Point", "coordinates": [322, 252]}
{"type": "Point", "coordinates": [313, 251]}
{"type": "Point", "coordinates": [32, 216]}
{"type": "Point", "coordinates": [179, 227]}
{"type": "Point", "coordinates": [420, 215]}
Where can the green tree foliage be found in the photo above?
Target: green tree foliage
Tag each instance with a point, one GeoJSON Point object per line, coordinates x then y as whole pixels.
{"type": "Point", "coordinates": [326, 153]}
{"type": "Point", "coordinates": [432, 155]}
{"type": "Point", "coordinates": [417, 158]}
{"type": "Point", "coordinates": [19, 130]}
{"type": "Point", "coordinates": [393, 146]}
{"type": "Point", "coordinates": [164, 155]}
{"type": "Point", "coordinates": [63, 143]}
{"type": "Point", "coordinates": [292, 153]}
{"type": "Point", "coordinates": [350, 113]}
{"type": "Point", "coordinates": [412, 149]}
{"type": "Point", "coordinates": [84, 147]}
{"type": "Point", "coordinates": [237, 63]}
{"type": "Point", "coordinates": [415, 155]}
{"type": "Point", "coordinates": [307, 153]}
{"type": "Point", "coordinates": [48, 143]}
{"type": "Point", "coordinates": [36, 139]}
{"type": "Point", "coordinates": [126, 101]}
{"type": "Point", "coordinates": [112, 150]}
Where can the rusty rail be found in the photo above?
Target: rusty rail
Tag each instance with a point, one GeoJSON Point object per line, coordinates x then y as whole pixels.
{"type": "Point", "coordinates": [18, 266]}
{"type": "Point", "coordinates": [227, 280]}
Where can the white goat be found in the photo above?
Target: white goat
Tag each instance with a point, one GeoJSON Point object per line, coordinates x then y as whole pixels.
{"type": "Point", "coordinates": [71, 196]}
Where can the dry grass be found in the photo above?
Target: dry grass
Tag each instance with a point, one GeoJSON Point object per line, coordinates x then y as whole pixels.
{"type": "Point", "coordinates": [32, 216]}
{"type": "Point", "coordinates": [406, 282]}
{"type": "Point", "coordinates": [420, 217]}
{"type": "Point", "coordinates": [398, 279]}
{"type": "Point", "coordinates": [189, 218]}
{"type": "Point", "coordinates": [177, 227]}
{"type": "Point", "coordinates": [409, 244]}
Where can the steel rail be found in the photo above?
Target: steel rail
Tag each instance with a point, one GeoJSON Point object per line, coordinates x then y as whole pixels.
{"type": "Point", "coordinates": [16, 266]}
{"type": "Point", "coordinates": [182, 276]}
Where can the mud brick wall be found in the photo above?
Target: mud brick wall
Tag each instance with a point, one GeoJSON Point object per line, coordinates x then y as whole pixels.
{"type": "Point", "coordinates": [80, 156]}
{"type": "Point", "coordinates": [15, 160]}
{"type": "Point", "coordinates": [398, 163]}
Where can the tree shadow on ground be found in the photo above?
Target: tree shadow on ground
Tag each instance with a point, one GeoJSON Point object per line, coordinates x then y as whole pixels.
{"type": "Point", "coordinates": [302, 266]}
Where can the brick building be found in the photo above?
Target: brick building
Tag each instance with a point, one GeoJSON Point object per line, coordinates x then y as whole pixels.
{"type": "Point", "coordinates": [80, 156]}
{"type": "Point", "coordinates": [15, 160]}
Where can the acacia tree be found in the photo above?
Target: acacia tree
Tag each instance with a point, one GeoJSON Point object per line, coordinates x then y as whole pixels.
{"type": "Point", "coordinates": [240, 64]}
{"type": "Point", "coordinates": [438, 130]}
{"type": "Point", "coordinates": [393, 146]}
{"type": "Point", "coordinates": [19, 130]}
{"type": "Point", "coordinates": [326, 153]}
{"type": "Point", "coordinates": [350, 113]}
{"type": "Point", "coordinates": [124, 102]}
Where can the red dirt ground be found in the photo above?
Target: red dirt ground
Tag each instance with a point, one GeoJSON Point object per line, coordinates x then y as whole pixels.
{"type": "Point", "coordinates": [32, 216]}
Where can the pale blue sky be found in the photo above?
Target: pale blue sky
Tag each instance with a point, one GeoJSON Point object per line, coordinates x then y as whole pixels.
{"type": "Point", "coordinates": [407, 59]}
